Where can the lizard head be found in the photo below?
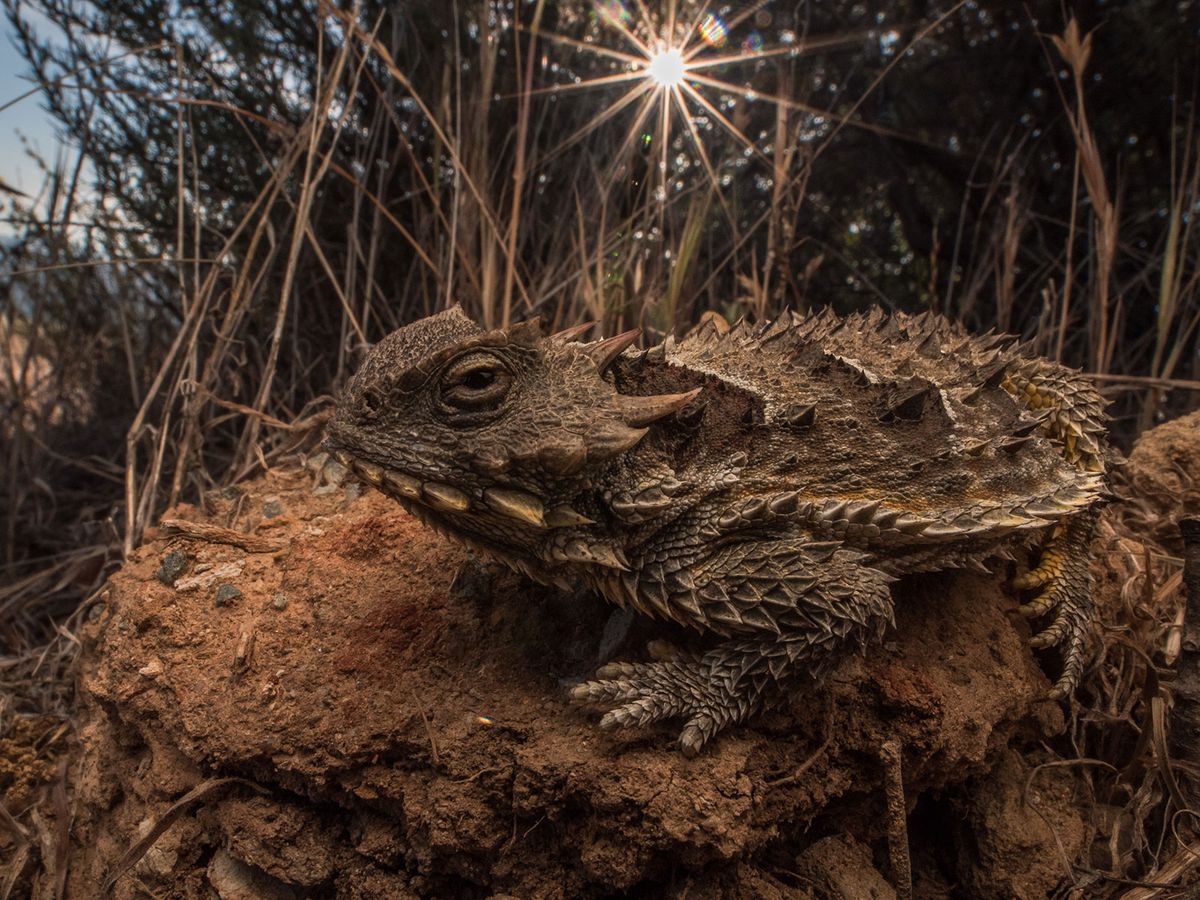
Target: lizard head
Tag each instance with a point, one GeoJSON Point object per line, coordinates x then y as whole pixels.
{"type": "Point", "coordinates": [500, 437]}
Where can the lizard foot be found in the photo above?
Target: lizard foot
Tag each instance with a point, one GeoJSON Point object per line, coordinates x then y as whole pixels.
{"type": "Point", "coordinates": [1065, 580]}
{"type": "Point", "coordinates": [651, 692]}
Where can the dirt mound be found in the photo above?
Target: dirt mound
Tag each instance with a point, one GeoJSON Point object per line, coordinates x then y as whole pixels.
{"type": "Point", "coordinates": [298, 691]}
{"type": "Point", "coordinates": [355, 714]}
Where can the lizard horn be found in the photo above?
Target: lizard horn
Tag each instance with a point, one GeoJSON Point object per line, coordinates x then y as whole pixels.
{"type": "Point", "coordinates": [564, 516]}
{"type": "Point", "coordinates": [516, 505]}
{"type": "Point", "coordinates": [638, 411]}
{"type": "Point", "coordinates": [569, 334]}
{"type": "Point", "coordinates": [602, 353]}
{"type": "Point", "coordinates": [595, 553]}
{"type": "Point", "coordinates": [612, 440]}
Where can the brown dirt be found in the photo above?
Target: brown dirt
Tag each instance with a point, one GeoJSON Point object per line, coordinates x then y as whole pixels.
{"type": "Point", "coordinates": [408, 734]}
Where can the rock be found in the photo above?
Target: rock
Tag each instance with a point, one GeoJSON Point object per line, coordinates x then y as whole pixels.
{"type": "Point", "coordinates": [152, 669]}
{"type": "Point", "coordinates": [226, 594]}
{"type": "Point", "coordinates": [316, 462]}
{"type": "Point", "coordinates": [1018, 844]}
{"type": "Point", "coordinates": [209, 578]}
{"type": "Point", "coordinates": [279, 601]}
{"type": "Point", "coordinates": [334, 473]}
{"type": "Point", "coordinates": [272, 506]}
{"type": "Point", "coordinates": [223, 504]}
{"type": "Point", "coordinates": [162, 856]}
{"type": "Point", "coordinates": [616, 629]}
{"type": "Point", "coordinates": [841, 868]}
{"type": "Point", "coordinates": [281, 839]}
{"type": "Point", "coordinates": [233, 879]}
{"type": "Point", "coordinates": [173, 565]}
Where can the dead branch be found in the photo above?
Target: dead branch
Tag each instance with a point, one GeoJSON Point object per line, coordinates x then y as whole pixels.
{"type": "Point", "coordinates": [215, 534]}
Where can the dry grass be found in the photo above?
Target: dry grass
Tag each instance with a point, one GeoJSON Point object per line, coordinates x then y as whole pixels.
{"type": "Point", "coordinates": [140, 375]}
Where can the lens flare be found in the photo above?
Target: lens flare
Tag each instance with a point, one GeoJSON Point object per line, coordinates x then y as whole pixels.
{"type": "Point", "coordinates": [613, 12]}
{"type": "Point", "coordinates": [753, 43]}
{"type": "Point", "coordinates": [713, 31]}
{"type": "Point", "coordinates": [690, 72]}
{"type": "Point", "coordinates": [666, 68]}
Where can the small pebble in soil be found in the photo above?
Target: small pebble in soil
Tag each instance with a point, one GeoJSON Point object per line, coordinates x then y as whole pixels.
{"type": "Point", "coordinates": [279, 601]}
{"type": "Point", "coordinates": [334, 473]}
{"type": "Point", "coordinates": [272, 506]}
{"type": "Point", "coordinates": [152, 669]}
{"type": "Point", "coordinates": [216, 499]}
{"type": "Point", "coordinates": [172, 567]}
{"type": "Point", "coordinates": [226, 594]}
{"type": "Point", "coordinates": [317, 461]}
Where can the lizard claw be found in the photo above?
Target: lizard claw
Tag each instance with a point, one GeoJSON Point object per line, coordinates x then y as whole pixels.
{"type": "Point", "coordinates": [696, 733]}
{"type": "Point", "coordinates": [651, 692]}
{"type": "Point", "coordinates": [1065, 579]}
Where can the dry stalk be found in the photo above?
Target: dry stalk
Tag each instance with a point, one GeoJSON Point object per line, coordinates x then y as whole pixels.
{"type": "Point", "coordinates": [897, 819]}
{"type": "Point", "coordinates": [214, 534]}
{"type": "Point", "coordinates": [1076, 49]}
{"type": "Point", "coordinates": [314, 171]}
{"type": "Point", "coordinates": [1185, 727]}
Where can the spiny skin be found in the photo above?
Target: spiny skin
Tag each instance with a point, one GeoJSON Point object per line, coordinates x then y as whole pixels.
{"type": "Point", "coordinates": [764, 484]}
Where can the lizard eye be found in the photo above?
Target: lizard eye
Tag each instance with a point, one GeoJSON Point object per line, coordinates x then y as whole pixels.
{"type": "Point", "coordinates": [476, 382]}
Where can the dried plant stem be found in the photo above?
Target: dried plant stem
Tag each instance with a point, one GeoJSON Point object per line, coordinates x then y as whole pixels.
{"type": "Point", "coordinates": [314, 170]}
{"type": "Point", "coordinates": [1076, 49]}
{"type": "Point", "coordinates": [214, 534]}
{"type": "Point", "coordinates": [1185, 728]}
{"type": "Point", "coordinates": [897, 819]}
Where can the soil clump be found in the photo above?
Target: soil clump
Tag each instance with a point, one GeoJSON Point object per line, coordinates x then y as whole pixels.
{"type": "Point", "coordinates": [344, 705]}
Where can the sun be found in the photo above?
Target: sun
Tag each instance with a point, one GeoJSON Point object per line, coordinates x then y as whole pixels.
{"type": "Point", "coordinates": [667, 67]}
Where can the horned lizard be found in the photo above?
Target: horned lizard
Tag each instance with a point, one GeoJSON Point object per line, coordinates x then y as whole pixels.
{"type": "Point", "coordinates": [764, 484]}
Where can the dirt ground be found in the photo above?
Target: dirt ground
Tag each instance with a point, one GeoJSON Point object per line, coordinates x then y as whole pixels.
{"type": "Point", "coordinates": [350, 709]}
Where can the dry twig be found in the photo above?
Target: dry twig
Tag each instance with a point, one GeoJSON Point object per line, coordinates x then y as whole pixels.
{"type": "Point", "coordinates": [215, 534]}
{"type": "Point", "coordinates": [897, 819]}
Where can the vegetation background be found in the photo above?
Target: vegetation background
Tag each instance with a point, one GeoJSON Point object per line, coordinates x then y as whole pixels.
{"type": "Point", "coordinates": [258, 190]}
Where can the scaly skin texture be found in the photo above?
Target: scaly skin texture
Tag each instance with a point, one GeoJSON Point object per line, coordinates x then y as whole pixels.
{"type": "Point", "coordinates": [761, 484]}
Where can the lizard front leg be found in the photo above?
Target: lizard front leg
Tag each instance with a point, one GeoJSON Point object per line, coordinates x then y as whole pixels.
{"type": "Point", "coordinates": [790, 610]}
{"type": "Point", "coordinates": [707, 692]}
{"type": "Point", "coordinates": [1065, 579]}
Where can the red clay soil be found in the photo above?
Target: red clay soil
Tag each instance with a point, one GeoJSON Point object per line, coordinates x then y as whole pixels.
{"type": "Point", "coordinates": [357, 714]}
